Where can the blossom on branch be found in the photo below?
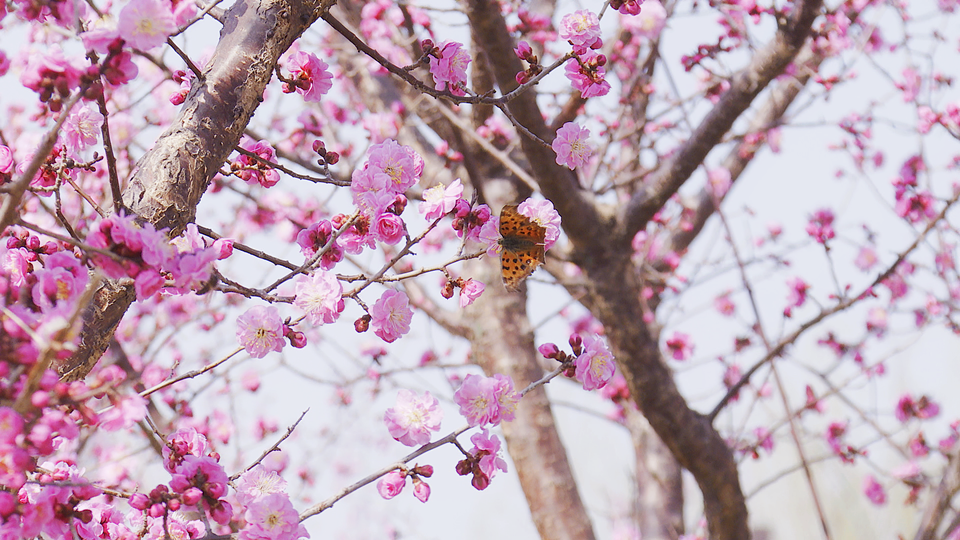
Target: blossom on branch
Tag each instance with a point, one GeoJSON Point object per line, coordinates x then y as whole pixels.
{"type": "Point", "coordinates": [413, 417]}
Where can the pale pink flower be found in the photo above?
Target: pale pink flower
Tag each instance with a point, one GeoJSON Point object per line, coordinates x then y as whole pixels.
{"type": "Point", "coordinates": [391, 484]}
{"type": "Point", "coordinates": [440, 199]}
{"type": "Point", "coordinates": [421, 490]}
{"type": "Point", "coordinates": [724, 305]}
{"type": "Point", "coordinates": [719, 181]}
{"type": "Point", "coordinates": [595, 366]}
{"type": "Point", "coordinates": [413, 417]}
{"type": "Point", "coordinates": [649, 22]}
{"type": "Point", "coordinates": [542, 212]}
{"type": "Point", "coordinates": [312, 75]}
{"type": "Point", "coordinates": [82, 129]}
{"type": "Point", "coordinates": [402, 165]}
{"type": "Point", "coordinates": [470, 291]}
{"type": "Point", "coordinates": [450, 70]}
{"type": "Point", "coordinates": [680, 346]}
{"type": "Point", "coordinates": [126, 411]}
{"type": "Point", "coordinates": [272, 517]}
{"type": "Point", "coordinates": [571, 146]}
{"type": "Point", "coordinates": [257, 483]}
{"type": "Point", "coordinates": [260, 330]}
{"type": "Point", "coordinates": [6, 160]}
{"type": "Point", "coordinates": [391, 315]}
{"type": "Point", "coordinates": [581, 29]}
{"type": "Point", "coordinates": [587, 75]}
{"type": "Point", "coordinates": [866, 258]}
{"type": "Point", "coordinates": [145, 24]}
{"type": "Point", "coordinates": [320, 296]}
{"type": "Point", "coordinates": [486, 400]}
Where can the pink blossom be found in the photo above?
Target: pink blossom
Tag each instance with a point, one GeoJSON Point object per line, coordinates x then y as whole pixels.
{"type": "Point", "coordinates": [272, 517]}
{"type": "Point", "coordinates": [587, 75]}
{"type": "Point", "coordinates": [595, 365]}
{"type": "Point", "coordinates": [181, 443]}
{"type": "Point", "coordinates": [581, 29]}
{"type": "Point", "coordinates": [391, 315]}
{"type": "Point", "coordinates": [874, 491]}
{"type": "Point", "coordinates": [910, 86]}
{"type": "Point", "coordinates": [11, 425]}
{"type": "Point", "coordinates": [542, 212]}
{"type": "Point", "coordinates": [6, 160]}
{"type": "Point", "coordinates": [724, 305]}
{"type": "Point", "coordinates": [820, 226]}
{"type": "Point", "coordinates": [257, 483]}
{"type": "Point", "coordinates": [389, 228]}
{"type": "Point", "coordinates": [440, 199]}
{"type": "Point", "coordinates": [413, 417]}
{"type": "Point", "coordinates": [649, 22]}
{"type": "Point", "coordinates": [680, 346]}
{"type": "Point", "coordinates": [571, 146]}
{"type": "Point", "coordinates": [486, 400]}
{"type": "Point", "coordinates": [82, 129]}
{"type": "Point", "coordinates": [311, 74]}
{"type": "Point", "coordinates": [260, 330]}
{"type": "Point", "coordinates": [126, 412]}
{"type": "Point", "coordinates": [450, 69]}
{"type": "Point", "coordinates": [402, 165]}
{"type": "Point", "coordinates": [314, 238]}
{"type": "Point", "coordinates": [797, 296]}
{"type": "Point", "coordinates": [421, 490]}
{"type": "Point", "coordinates": [391, 484]}
{"type": "Point", "coordinates": [922, 408]}
{"type": "Point", "coordinates": [146, 24]}
{"type": "Point", "coordinates": [470, 291]}
{"type": "Point", "coordinates": [61, 281]}
{"type": "Point", "coordinates": [877, 320]}
{"type": "Point", "coordinates": [866, 258]}
{"type": "Point", "coordinates": [319, 295]}
{"type": "Point", "coordinates": [253, 171]}
{"type": "Point", "coordinates": [719, 181]}
{"type": "Point", "coordinates": [488, 447]}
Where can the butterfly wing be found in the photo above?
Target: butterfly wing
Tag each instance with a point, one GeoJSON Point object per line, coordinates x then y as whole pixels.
{"type": "Point", "coordinates": [522, 246]}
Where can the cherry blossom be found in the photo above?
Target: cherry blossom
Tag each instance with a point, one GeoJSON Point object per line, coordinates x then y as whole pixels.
{"type": "Point", "coordinates": [260, 331]}
{"type": "Point", "coordinates": [449, 67]}
{"type": "Point", "coordinates": [319, 296]}
{"type": "Point", "coordinates": [571, 146]}
{"type": "Point", "coordinates": [595, 366]}
{"type": "Point", "coordinates": [146, 24]}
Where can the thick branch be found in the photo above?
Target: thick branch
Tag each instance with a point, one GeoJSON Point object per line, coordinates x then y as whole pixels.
{"type": "Point", "coordinates": [768, 63]}
{"type": "Point", "coordinates": [170, 178]}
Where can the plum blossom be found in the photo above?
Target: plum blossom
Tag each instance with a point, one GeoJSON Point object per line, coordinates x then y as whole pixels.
{"type": "Point", "coordinates": [649, 22]}
{"type": "Point", "coordinates": [126, 411]}
{"type": "Point", "coordinates": [440, 199]}
{"type": "Point", "coordinates": [450, 69]}
{"type": "Point", "coordinates": [587, 75]}
{"type": "Point", "coordinates": [470, 291]}
{"type": "Point", "coordinates": [680, 346]}
{"type": "Point", "coordinates": [874, 491]}
{"type": "Point", "coordinates": [260, 330]}
{"type": "Point", "coordinates": [487, 400]}
{"type": "Point", "coordinates": [402, 165]}
{"type": "Point", "coordinates": [320, 296]}
{"type": "Point", "coordinates": [542, 212]}
{"type": "Point", "coordinates": [820, 226]}
{"type": "Point", "coordinates": [484, 460]}
{"type": "Point", "coordinates": [391, 315]}
{"type": "Point", "coordinates": [571, 146]}
{"type": "Point", "coordinates": [391, 484]}
{"type": "Point", "coordinates": [82, 129]}
{"type": "Point", "coordinates": [311, 75]}
{"type": "Point", "coordinates": [272, 517]}
{"type": "Point", "coordinates": [413, 417]}
{"type": "Point", "coordinates": [798, 294]}
{"type": "Point", "coordinates": [595, 365]}
{"type": "Point", "coordinates": [146, 24]}
{"type": "Point", "coordinates": [581, 29]}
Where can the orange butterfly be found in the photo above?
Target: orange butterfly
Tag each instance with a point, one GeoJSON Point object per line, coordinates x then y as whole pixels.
{"type": "Point", "coordinates": [522, 243]}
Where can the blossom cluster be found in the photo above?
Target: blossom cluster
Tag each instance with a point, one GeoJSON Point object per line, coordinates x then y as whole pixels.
{"type": "Point", "coordinates": [154, 262]}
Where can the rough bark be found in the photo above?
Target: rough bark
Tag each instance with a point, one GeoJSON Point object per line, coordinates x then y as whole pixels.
{"type": "Point", "coordinates": [172, 176]}
{"type": "Point", "coordinates": [659, 483]}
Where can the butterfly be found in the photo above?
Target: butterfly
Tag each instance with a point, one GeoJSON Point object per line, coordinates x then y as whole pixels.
{"type": "Point", "coordinates": [522, 243]}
